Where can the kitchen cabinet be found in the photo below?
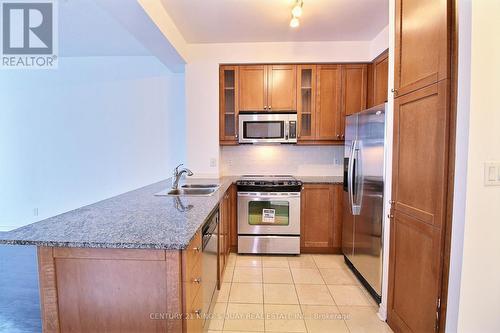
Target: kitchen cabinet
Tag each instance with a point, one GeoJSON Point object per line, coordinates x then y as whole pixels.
{"type": "Point", "coordinates": [378, 72]}
{"type": "Point", "coordinates": [379, 84]}
{"type": "Point", "coordinates": [422, 44]}
{"type": "Point", "coordinates": [267, 88]}
{"type": "Point", "coordinates": [354, 84]}
{"type": "Point", "coordinates": [321, 218]}
{"type": "Point", "coordinates": [233, 222]}
{"type": "Point", "coordinates": [252, 87]}
{"type": "Point", "coordinates": [145, 283]}
{"type": "Point", "coordinates": [281, 88]}
{"type": "Point", "coordinates": [228, 105]}
{"type": "Point", "coordinates": [306, 108]}
{"type": "Point", "coordinates": [224, 225]}
{"type": "Point", "coordinates": [328, 102]}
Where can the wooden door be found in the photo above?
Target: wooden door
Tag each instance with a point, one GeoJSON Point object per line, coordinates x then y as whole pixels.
{"type": "Point", "coordinates": [281, 87]}
{"type": "Point", "coordinates": [306, 90]}
{"type": "Point", "coordinates": [419, 194]}
{"type": "Point", "coordinates": [320, 230]}
{"type": "Point", "coordinates": [422, 43]}
{"type": "Point", "coordinates": [354, 84]}
{"type": "Point", "coordinates": [228, 105]}
{"type": "Point", "coordinates": [328, 102]}
{"type": "Point", "coordinates": [253, 87]}
{"type": "Point", "coordinates": [380, 78]}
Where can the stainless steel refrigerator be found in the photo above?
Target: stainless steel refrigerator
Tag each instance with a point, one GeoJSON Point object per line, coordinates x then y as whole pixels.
{"type": "Point", "coordinates": [364, 168]}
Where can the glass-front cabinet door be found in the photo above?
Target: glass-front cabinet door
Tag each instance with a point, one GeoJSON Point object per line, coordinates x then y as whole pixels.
{"type": "Point", "coordinates": [228, 104]}
{"type": "Point", "coordinates": [306, 87]}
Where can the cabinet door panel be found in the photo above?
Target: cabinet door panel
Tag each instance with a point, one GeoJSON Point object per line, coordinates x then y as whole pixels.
{"type": "Point", "coordinates": [328, 110]}
{"type": "Point", "coordinates": [380, 74]}
{"type": "Point", "coordinates": [420, 161]}
{"type": "Point", "coordinates": [282, 87]}
{"type": "Point", "coordinates": [306, 108]}
{"type": "Point", "coordinates": [422, 43]}
{"type": "Point", "coordinates": [228, 105]}
{"type": "Point", "coordinates": [252, 87]}
{"type": "Point", "coordinates": [321, 221]}
{"type": "Point", "coordinates": [354, 85]}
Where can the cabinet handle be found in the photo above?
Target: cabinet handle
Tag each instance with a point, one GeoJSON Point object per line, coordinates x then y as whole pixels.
{"type": "Point", "coordinates": [197, 280]}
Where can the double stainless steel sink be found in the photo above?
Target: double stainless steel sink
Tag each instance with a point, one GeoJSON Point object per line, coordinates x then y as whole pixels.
{"type": "Point", "coordinates": [192, 190]}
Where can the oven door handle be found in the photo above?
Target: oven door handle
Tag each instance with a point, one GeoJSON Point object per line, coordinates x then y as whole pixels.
{"type": "Point", "coordinates": [266, 195]}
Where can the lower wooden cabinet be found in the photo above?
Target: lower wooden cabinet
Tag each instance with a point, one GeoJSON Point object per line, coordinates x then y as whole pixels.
{"type": "Point", "coordinates": [224, 242]}
{"type": "Point", "coordinates": [321, 218]}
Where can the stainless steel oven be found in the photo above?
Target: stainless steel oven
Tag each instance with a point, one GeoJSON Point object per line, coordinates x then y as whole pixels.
{"type": "Point", "coordinates": [269, 214]}
{"type": "Point", "coordinates": [267, 127]}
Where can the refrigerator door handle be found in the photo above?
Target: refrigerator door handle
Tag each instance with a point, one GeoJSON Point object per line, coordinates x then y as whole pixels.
{"type": "Point", "coordinates": [356, 201]}
{"type": "Point", "coordinates": [350, 178]}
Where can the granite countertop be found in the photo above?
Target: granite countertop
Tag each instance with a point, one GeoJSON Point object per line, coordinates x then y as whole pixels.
{"type": "Point", "coordinates": [321, 179]}
{"type": "Point", "coordinates": [137, 219]}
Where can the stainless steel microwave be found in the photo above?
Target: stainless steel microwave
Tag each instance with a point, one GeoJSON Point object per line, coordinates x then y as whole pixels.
{"type": "Point", "coordinates": [267, 127]}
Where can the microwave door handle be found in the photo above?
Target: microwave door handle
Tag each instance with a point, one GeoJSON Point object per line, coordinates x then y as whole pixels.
{"type": "Point", "coordinates": [287, 129]}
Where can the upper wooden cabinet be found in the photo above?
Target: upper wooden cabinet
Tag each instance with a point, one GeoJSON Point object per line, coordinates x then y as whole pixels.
{"type": "Point", "coordinates": [306, 107]}
{"type": "Point", "coordinates": [422, 44]}
{"type": "Point", "coordinates": [228, 105]}
{"type": "Point", "coordinates": [268, 88]}
{"type": "Point", "coordinates": [328, 102]}
{"type": "Point", "coordinates": [377, 80]}
{"type": "Point", "coordinates": [253, 87]}
{"type": "Point", "coordinates": [354, 84]}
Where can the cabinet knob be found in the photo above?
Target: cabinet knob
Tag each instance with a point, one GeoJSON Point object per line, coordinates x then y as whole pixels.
{"type": "Point", "coordinates": [392, 202]}
{"type": "Point", "coordinates": [269, 107]}
{"type": "Point", "coordinates": [236, 136]}
{"type": "Point", "coordinates": [197, 280]}
{"type": "Point", "coordinates": [390, 216]}
{"type": "Point", "coordinates": [265, 107]}
{"type": "Point", "coordinates": [338, 136]}
{"type": "Point", "coordinates": [196, 249]}
{"type": "Point", "coordinates": [394, 91]}
{"type": "Point", "coordinates": [197, 312]}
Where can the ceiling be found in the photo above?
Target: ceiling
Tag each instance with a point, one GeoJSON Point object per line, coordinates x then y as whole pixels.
{"type": "Point", "coordinates": [228, 21]}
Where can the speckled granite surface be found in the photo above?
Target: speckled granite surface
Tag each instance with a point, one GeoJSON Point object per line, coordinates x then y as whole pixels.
{"type": "Point", "coordinates": [136, 219]}
{"type": "Point", "coordinates": [321, 179]}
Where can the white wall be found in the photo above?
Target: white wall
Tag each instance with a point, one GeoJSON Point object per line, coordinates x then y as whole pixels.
{"type": "Point", "coordinates": [202, 85]}
{"type": "Point", "coordinates": [480, 290]}
{"type": "Point", "coordinates": [94, 128]}
{"type": "Point", "coordinates": [282, 159]}
{"type": "Point", "coordinates": [381, 42]}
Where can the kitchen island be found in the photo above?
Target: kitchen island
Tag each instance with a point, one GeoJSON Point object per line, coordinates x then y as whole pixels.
{"type": "Point", "coordinates": [130, 263]}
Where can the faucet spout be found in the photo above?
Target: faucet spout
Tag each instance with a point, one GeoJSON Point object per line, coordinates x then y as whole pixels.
{"type": "Point", "coordinates": [178, 174]}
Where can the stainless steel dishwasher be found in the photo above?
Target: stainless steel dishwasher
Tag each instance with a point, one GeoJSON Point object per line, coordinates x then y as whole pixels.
{"type": "Point", "coordinates": [210, 236]}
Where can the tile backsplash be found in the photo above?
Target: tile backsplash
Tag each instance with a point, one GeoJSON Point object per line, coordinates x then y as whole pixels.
{"type": "Point", "coordinates": [282, 159]}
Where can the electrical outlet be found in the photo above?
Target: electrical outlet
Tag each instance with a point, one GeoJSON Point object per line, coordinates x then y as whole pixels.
{"type": "Point", "coordinates": [213, 162]}
{"type": "Point", "coordinates": [492, 174]}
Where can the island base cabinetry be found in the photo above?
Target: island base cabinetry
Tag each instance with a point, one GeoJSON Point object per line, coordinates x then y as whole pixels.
{"type": "Point", "coordinates": [120, 290]}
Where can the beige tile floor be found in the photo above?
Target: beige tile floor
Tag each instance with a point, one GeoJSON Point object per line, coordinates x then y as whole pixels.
{"type": "Point", "coordinates": [306, 293]}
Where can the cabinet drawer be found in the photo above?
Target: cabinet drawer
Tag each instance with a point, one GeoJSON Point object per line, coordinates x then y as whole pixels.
{"type": "Point", "coordinates": [194, 316]}
{"type": "Point", "coordinates": [191, 255]}
{"type": "Point", "coordinates": [192, 282]}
